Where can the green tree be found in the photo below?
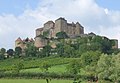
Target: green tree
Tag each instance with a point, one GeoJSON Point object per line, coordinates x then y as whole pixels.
{"type": "Point", "coordinates": [104, 67]}
{"type": "Point", "coordinates": [68, 51]}
{"type": "Point", "coordinates": [61, 35]}
{"type": "Point", "coordinates": [18, 51]}
{"type": "Point", "coordinates": [115, 68]}
{"type": "Point", "coordinates": [89, 61]}
{"type": "Point", "coordinates": [31, 50]}
{"type": "Point", "coordinates": [2, 53]}
{"type": "Point", "coordinates": [60, 49]}
{"type": "Point", "coordinates": [46, 34]}
{"type": "Point", "coordinates": [46, 50]}
{"type": "Point", "coordinates": [74, 67]}
{"type": "Point", "coordinates": [10, 52]}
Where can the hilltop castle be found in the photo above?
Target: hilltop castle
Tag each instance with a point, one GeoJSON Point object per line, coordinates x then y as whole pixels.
{"type": "Point", "coordinates": [52, 28]}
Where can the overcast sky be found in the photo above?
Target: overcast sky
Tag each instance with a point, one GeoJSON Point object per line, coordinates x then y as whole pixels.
{"type": "Point", "coordinates": [20, 18]}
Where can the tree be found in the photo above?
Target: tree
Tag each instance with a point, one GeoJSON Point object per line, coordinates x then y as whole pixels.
{"type": "Point", "coordinates": [104, 65]}
{"type": "Point", "coordinates": [2, 53]}
{"type": "Point", "coordinates": [74, 67]}
{"type": "Point", "coordinates": [10, 52]}
{"type": "Point", "coordinates": [105, 45]}
{"type": "Point", "coordinates": [60, 49]}
{"type": "Point", "coordinates": [68, 51]}
{"type": "Point", "coordinates": [18, 51]}
{"type": "Point", "coordinates": [31, 50]}
{"type": "Point", "coordinates": [61, 35]}
{"type": "Point", "coordinates": [89, 61]}
{"type": "Point", "coordinates": [46, 50]}
{"type": "Point", "coordinates": [115, 68]}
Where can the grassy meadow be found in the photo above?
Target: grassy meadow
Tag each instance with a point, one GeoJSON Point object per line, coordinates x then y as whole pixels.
{"type": "Point", "coordinates": [33, 81]}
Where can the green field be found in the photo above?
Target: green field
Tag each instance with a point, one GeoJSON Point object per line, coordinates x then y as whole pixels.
{"type": "Point", "coordinates": [33, 62]}
{"type": "Point", "coordinates": [55, 69]}
{"type": "Point", "coordinates": [33, 81]}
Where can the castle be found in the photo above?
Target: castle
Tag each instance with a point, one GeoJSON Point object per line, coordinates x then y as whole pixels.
{"type": "Point", "coordinates": [52, 28]}
{"type": "Point", "coordinates": [22, 43]}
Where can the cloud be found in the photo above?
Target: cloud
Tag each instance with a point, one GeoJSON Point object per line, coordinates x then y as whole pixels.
{"type": "Point", "coordinates": [93, 17]}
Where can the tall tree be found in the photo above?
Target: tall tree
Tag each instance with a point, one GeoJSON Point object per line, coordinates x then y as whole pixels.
{"type": "Point", "coordinates": [31, 50]}
{"type": "Point", "coordinates": [46, 50]}
{"type": "Point", "coordinates": [60, 49]}
{"type": "Point", "coordinates": [104, 65]}
{"type": "Point", "coordinates": [2, 53]}
{"type": "Point", "coordinates": [18, 51]}
{"type": "Point", "coordinates": [10, 52]}
{"type": "Point", "coordinates": [68, 51]}
{"type": "Point", "coordinates": [89, 61]}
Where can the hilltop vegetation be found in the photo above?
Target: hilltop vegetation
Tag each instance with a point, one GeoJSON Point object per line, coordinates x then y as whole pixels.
{"type": "Point", "coordinates": [90, 58]}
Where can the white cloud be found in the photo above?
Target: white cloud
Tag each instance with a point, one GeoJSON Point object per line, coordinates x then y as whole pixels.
{"type": "Point", "coordinates": [93, 17]}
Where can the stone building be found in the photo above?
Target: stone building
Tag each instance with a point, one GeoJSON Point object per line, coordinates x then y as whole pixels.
{"type": "Point", "coordinates": [51, 28]}
{"type": "Point", "coordinates": [22, 43]}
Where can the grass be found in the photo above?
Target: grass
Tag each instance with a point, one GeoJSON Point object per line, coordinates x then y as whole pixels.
{"type": "Point", "coordinates": [55, 69]}
{"type": "Point", "coordinates": [33, 81]}
{"type": "Point", "coordinates": [33, 62]}
{"type": "Point", "coordinates": [36, 81]}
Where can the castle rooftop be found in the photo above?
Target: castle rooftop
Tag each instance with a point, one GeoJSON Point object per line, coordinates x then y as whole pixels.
{"type": "Point", "coordinates": [19, 39]}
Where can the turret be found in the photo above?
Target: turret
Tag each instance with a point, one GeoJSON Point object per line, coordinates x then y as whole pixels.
{"type": "Point", "coordinates": [60, 25]}
{"type": "Point", "coordinates": [19, 43]}
{"type": "Point", "coordinates": [39, 31]}
{"type": "Point", "coordinates": [79, 28]}
{"type": "Point", "coordinates": [48, 25]}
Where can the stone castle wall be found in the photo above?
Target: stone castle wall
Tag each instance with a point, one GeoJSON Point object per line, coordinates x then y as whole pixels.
{"type": "Point", "coordinates": [60, 24]}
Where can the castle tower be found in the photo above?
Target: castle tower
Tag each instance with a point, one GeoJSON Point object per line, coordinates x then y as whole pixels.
{"type": "Point", "coordinates": [39, 31]}
{"type": "Point", "coordinates": [79, 29]}
{"type": "Point", "coordinates": [48, 25]}
{"type": "Point", "coordinates": [19, 43]}
{"type": "Point", "coordinates": [60, 25]}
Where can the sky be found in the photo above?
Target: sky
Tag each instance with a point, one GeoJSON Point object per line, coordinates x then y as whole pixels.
{"type": "Point", "coordinates": [20, 18]}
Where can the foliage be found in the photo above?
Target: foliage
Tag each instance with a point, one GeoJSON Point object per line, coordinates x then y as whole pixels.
{"type": "Point", "coordinates": [46, 34]}
{"type": "Point", "coordinates": [61, 35]}
{"type": "Point", "coordinates": [10, 52]}
{"type": "Point", "coordinates": [45, 66]}
{"type": "Point", "coordinates": [18, 51]}
{"type": "Point", "coordinates": [2, 53]}
{"type": "Point", "coordinates": [31, 50]}
{"type": "Point", "coordinates": [46, 50]}
{"type": "Point", "coordinates": [17, 67]}
{"type": "Point", "coordinates": [74, 67]}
